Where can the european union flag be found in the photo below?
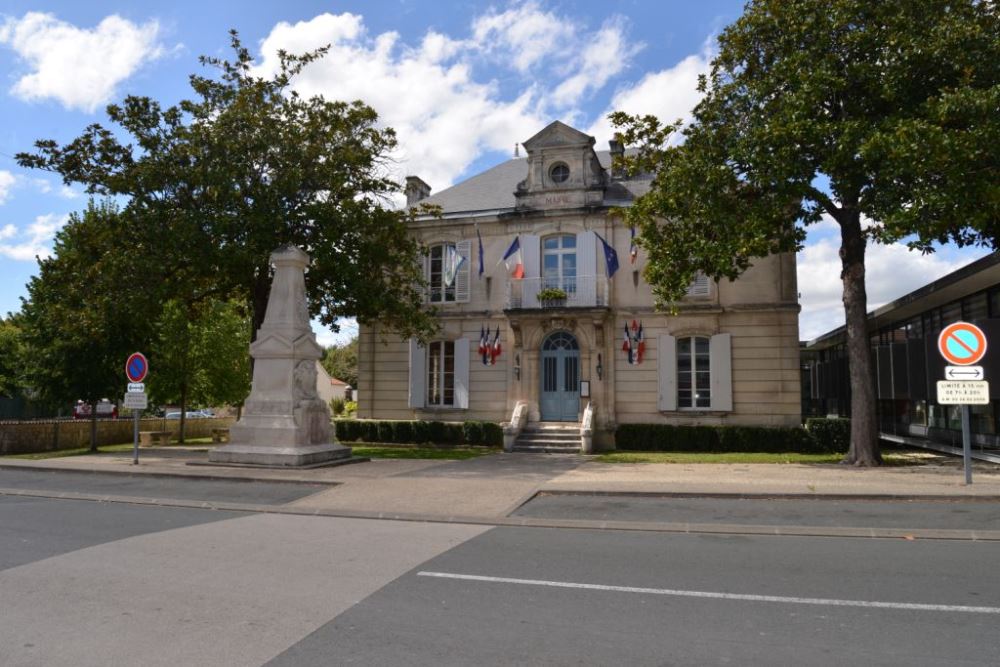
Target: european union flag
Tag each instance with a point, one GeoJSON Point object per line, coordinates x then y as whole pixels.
{"type": "Point", "coordinates": [610, 256]}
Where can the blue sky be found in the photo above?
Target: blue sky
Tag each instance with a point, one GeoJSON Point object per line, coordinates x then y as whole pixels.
{"type": "Point", "coordinates": [461, 82]}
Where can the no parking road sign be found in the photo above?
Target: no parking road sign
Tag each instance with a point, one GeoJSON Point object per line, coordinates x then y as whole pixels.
{"type": "Point", "coordinates": [136, 367]}
{"type": "Point", "coordinates": [962, 344]}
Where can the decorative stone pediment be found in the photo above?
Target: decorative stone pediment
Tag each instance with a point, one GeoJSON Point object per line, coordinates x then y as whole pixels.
{"type": "Point", "coordinates": [272, 345]}
{"type": "Point", "coordinates": [563, 170]}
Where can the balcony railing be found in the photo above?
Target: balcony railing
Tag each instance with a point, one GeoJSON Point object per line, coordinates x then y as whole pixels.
{"type": "Point", "coordinates": [581, 291]}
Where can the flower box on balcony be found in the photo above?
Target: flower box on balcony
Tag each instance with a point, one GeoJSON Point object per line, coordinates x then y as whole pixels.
{"type": "Point", "coordinates": [552, 297]}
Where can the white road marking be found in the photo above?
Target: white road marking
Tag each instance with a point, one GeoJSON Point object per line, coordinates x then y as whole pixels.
{"type": "Point", "coordinates": [910, 606]}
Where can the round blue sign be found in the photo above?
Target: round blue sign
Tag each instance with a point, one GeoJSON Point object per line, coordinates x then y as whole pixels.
{"type": "Point", "coordinates": [136, 367]}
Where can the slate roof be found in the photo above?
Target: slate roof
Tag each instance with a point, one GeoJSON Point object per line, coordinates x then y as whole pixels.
{"type": "Point", "coordinates": [494, 188]}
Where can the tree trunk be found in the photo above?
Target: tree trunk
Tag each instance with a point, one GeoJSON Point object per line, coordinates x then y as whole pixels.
{"type": "Point", "coordinates": [180, 433]}
{"type": "Point", "coordinates": [93, 427]}
{"type": "Point", "coordinates": [864, 450]}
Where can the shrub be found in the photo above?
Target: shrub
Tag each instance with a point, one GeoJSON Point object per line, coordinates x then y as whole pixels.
{"type": "Point", "coordinates": [473, 432]}
{"type": "Point", "coordinates": [337, 404]}
{"type": "Point", "coordinates": [350, 407]}
{"type": "Point", "coordinates": [670, 438]}
{"type": "Point", "coordinates": [830, 435]}
{"type": "Point", "coordinates": [419, 432]}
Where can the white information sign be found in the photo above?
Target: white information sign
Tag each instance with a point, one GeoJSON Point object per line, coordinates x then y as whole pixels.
{"type": "Point", "coordinates": [963, 373]}
{"type": "Point", "coordinates": [967, 392]}
{"type": "Point", "coordinates": [137, 386]}
{"type": "Point", "coordinates": [135, 400]}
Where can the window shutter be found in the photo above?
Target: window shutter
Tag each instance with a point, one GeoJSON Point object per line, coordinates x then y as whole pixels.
{"type": "Point", "coordinates": [666, 358]}
{"type": "Point", "coordinates": [531, 255]}
{"type": "Point", "coordinates": [586, 268]}
{"type": "Point", "coordinates": [425, 262]}
{"type": "Point", "coordinates": [464, 249]}
{"type": "Point", "coordinates": [462, 373]}
{"type": "Point", "coordinates": [720, 356]}
{"type": "Point", "coordinates": [700, 286]}
{"type": "Point", "coordinates": [418, 374]}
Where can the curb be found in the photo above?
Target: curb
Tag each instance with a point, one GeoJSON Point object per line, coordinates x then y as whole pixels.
{"type": "Point", "coordinates": [527, 522]}
{"type": "Point", "coordinates": [139, 472]}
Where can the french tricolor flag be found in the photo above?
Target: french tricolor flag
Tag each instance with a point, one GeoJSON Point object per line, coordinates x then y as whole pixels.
{"type": "Point", "coordinates": [512, 259]}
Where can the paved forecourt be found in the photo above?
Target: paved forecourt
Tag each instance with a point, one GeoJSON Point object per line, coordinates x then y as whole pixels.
{"type": "Point", "coordinates": [173, 586]}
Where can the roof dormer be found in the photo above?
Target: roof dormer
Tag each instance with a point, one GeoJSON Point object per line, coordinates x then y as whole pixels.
{"type": "Point", "coordinates": [563, 170]}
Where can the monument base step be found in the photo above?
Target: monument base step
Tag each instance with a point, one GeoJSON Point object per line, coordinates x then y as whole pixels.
{"type": "Point", "coordinates": [279, 456]}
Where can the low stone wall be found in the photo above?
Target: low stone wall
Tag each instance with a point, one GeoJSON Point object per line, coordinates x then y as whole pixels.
{"type": "Point", "coordinates": [29, 437]}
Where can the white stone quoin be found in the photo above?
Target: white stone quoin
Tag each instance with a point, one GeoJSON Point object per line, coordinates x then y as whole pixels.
{"type": "Point", "coordinates": [284, 422]}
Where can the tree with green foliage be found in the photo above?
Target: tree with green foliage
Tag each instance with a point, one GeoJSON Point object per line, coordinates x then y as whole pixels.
{"type": "Point", "coordinates": [200, 355]}
{"type": "Point", "coordinates": [881, 115]}
{"type": "Point", "coordinates": [248, 166]}
{"type": "Point", "coordinates": [11, 358]}
{"type": "Point", "coordinates": [341, 362]}
{"type": "Point", "coordinates": [80, 322]}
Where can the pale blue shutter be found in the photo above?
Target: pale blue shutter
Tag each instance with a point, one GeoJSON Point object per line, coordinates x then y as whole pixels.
{"type": "Point", "coordinates": [586, 269]}
{"type": "Point", "coordinates": [720, 356]}
{"type": "Point", "coordinates": [666, 360]}
{"type": "Point", "coordinates": [418, 374]}
{"type": "Point", "coordinates": [462, 373]}
{"type": "Point", "coordinates": [464, 249]}
{"type": "Point", "coordinates": [531, 255]}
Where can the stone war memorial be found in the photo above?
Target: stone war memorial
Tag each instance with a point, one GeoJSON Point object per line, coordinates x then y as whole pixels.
{"type": "Point", "coordinates": [284, 421]}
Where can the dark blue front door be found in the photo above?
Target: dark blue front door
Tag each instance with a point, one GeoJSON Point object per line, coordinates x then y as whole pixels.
{"type": "Point", "coordinates": [560, 378]}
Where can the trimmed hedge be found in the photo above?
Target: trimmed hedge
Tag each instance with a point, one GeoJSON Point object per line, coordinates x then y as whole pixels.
{"type": "Point", "coordinates": [418, 432]}
{"type": "Point", "coordinates": [834, 435]}
{"type": "Point", "coordinates": [670, 438]}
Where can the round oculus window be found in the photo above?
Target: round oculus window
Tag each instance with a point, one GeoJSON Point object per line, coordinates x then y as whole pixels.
{"type": "Point", "coordinates": [559, 173]}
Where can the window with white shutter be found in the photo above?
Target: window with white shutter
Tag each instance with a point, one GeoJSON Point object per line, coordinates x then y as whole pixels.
{"type": "Point", "coordinates": [700, 286]}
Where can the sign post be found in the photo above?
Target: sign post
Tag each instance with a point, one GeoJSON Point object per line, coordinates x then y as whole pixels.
{"type": "Point", "coordinates": [963, 344]}
{"type": "Point", "coordinates": [136, 367]}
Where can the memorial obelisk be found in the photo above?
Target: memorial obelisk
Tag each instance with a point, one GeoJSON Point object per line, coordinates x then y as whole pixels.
{"type": "Point", "coordinates": [284, 422]}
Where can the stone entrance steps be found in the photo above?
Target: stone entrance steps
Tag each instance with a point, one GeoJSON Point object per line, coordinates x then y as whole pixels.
{"type": "Point", "coordinates": [549, 438]}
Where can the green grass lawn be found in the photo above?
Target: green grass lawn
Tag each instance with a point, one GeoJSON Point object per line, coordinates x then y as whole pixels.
{"type": "Point", "coordinates": [890, 458]}
{"type": "Point", "coordinates": [81, 451]}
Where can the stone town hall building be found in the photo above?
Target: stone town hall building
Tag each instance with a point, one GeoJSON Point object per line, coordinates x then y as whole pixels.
{"type": "Point", "coordinates": [728, 355]}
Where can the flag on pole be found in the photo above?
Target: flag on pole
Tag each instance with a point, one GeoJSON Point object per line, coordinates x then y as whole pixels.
{"type": "Point", "coordinates": [480, 238]}
{"type": "Point", "coordinates": [512, 259]}
{"type": "Point", "coordinates": [640, 344]}
{"type": "Point", "coordinates": [452, 263]}
{"type": "Point", "coordinates": [633, 249]}
{"type": "Point", "coordinates": [495, 348]}
{"type": "Point", "coordinates": [627, 345]}
{"type": "Point", "coordinates": [484, 345]}
{"type": "Point", "coordinates": [610, 256]}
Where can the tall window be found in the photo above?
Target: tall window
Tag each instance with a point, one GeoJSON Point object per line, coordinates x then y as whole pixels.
{"type": "Point", "coordinates": [559, 263]}
{"type": "Point", "coordinates": [694, 377]}
{"type": "Point", "coordinates": [441, 373]}
{"type": "Point", "coordinates": [439, 291]}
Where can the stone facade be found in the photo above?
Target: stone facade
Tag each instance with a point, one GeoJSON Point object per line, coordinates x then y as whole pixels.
{"type": "Point", "coordinates": [743, 335]}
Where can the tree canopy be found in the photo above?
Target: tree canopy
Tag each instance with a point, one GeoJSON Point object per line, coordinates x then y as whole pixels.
{"type": "Point", "coordinates": [220, 181]}
{"type": "Point", "coordinates": [341, 362]}
{"type": "Point", "coordinates": [881, 115]}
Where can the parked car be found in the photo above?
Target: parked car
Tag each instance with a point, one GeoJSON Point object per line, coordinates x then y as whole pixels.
{"type": "Point", "coordinates": [105, 410]}
{"type": "Point", "coordinates": [190, 414]}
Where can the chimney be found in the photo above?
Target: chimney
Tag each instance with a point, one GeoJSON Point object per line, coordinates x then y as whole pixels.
{"type": "Point", "coordinates": [617, 150]}
{"type": "Point", "coordinates": [416, 190]}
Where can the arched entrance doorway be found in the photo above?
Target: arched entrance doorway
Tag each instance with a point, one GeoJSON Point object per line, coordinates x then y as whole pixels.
{"type": "Point", "coordinates": [560, 397]}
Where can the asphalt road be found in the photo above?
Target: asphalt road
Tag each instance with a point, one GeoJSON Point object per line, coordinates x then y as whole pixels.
{"type": "Point", "coordinates": [97, 583]}
{"type": "Point", "coordinates": [968, 514]}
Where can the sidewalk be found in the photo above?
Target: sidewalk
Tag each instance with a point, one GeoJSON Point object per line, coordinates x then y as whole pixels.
{"type": "Point", "coordinates": [489, 488]}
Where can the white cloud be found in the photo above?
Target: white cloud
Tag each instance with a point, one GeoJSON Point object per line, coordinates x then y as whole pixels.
{"type": "Point", "coordinates": [443, 117]}
{"type": "Point", "coordinates": [327, 338]}
{"type": "Point", "coordinates": [80, 68]}
{"type": "Point", "coordinates": [7, 181]}
{"type": "Point", "coordinates": [34, 241]}
{"type": "Point", "coordinates": [524, 34]}
{"type": "Point", "coordinates": [891, 271]}
{"type": "Point", "coordinates": [669, 94]}
{"type": "Point", "coordinates": [605, 56]}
